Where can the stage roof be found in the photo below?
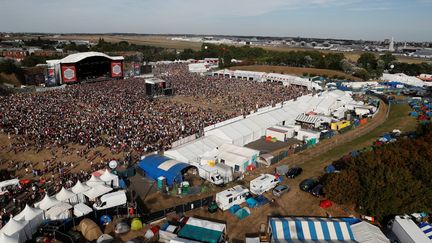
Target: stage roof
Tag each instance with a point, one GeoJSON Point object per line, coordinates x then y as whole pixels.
{"type": "Point", "coordinates": [74, 58]}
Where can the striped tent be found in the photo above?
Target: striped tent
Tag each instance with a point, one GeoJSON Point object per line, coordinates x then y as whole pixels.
{"type": "Point", "coordinates": [427, 229]}
{"type": "Point", "coordinates": [289, 229]}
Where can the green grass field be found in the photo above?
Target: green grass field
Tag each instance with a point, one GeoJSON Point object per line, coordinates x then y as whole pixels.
{"type": "Point", "coordinates": [398, 119]}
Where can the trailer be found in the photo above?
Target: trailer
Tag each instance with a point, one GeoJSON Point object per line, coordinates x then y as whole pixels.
{"type": "Point", "coordinates": [228, 198]}
{"type": "Point", "coordinates": [263, 183]}
{"type": "Point", "coordinates": [407, 231]}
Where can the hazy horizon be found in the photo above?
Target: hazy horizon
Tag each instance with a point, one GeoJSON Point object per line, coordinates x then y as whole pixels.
{"type": "Point", "coordinates": [405, 20]}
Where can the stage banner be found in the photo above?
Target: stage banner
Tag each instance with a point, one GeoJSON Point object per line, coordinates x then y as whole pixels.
{"type": "Point", "coordinates": [69, 73]}
{"type": "Point", "coordinates": [116, 69]}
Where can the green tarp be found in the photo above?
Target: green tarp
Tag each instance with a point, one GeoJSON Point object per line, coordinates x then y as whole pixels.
{"type": "Point", "coordinates": [200, 234]}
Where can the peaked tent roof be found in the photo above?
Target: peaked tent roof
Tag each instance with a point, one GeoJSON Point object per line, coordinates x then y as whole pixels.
{"type": "Point", "coordinates": [59, 211]}
{"type": "Point", "coordinates": [47, 202]}
{"type": "Point", "coordinates": [107, 176]}
{"type": "Point", "coordinates": [64, 195]}
{"type": "Point", "coordinates": [94, 181]}
{"type": "Point", "coordinates": [365, 232]}
{"type": "Point", "coordinates": [97, 191]}
{"type": "Point", "coordinates": [29, 213]}
{"type": "Point", "coordinates": [13, 226]}
{"type": "Point", "coordinates": [80, 188]}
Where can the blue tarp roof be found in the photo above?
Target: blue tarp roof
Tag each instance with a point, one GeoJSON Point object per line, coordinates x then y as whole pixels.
{"type": "Point", "coordinates": [427, 229]}
{"type": "Point", "coordinates": [156, 166]}
{"type": "Point", "coordinates": [313, 229]}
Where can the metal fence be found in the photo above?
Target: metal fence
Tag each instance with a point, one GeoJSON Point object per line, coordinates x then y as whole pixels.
{"type": "Point", "coordinates": [182, 208]}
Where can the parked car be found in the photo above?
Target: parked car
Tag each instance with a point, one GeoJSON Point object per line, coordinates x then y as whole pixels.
{"type": "Point", "coordinates": [279, 190]}
{"type": "Point", "coordinates": [294, 172]}
{"type": "Point", "coordinates": [318, 191]}
{"type": "Point", "coordinates": [308, 184]}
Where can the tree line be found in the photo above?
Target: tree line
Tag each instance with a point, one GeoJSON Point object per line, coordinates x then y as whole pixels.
{"type": "Point", "coordinates": [368, 66]}
{"type": "Point", "coordinates": [393, 179]}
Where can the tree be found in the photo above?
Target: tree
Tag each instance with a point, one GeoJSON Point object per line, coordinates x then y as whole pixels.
{"type": "Point", "coordinates": [387, 58]}
{"type": "Point", "coordinates": [367, 61]}
{"type": "Point", "coordinates": [346, 66]}
{"type": "Point", "coordinates": [362, 73]}
{"type": "Point", "coordinates": [8, 66]}
{"type": "Point", "coordinates": [31, 61]}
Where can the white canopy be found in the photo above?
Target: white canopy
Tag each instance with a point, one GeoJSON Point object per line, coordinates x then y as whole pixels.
{"type": "Point", "coordinates": [9, 239]}
{"type": "Point", "coordinates": [10, 182]}
{"type": "Point", "coordinates": [80, 188]}
{"type": "Point", "coordinates": [64, 195]}
{"type": "Point", "coordinates": [109, 177]}
{"type": "Point", "coordinates": [94, 181]}
{"type": "Point", "coordinates": [33, 215]}
{"type": "Point", "coordinates": [16, 228]}
{"type": "Point", "coordinates": [46, 203]}
{"type": "Point", "coordinates": [81, 209]}
{"type": "Point", "coordinates": [59, 211]}
{"type": "Point", "coordinates": [97, 191]}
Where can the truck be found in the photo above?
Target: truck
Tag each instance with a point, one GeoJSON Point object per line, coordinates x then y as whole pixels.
{"type": "Point", "coordinates": [218, 174]}
{"type": "Point", "coordinates": [110, 200]}
{"type": "Point", "coordinates": [230, 197]}
{"type": "Point", "coordinates": [407, 231]}
{"type": "Point", "coordinates": [263, 183]}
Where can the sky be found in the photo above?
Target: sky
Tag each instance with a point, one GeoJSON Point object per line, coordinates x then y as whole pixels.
{"type": "Point", "coordinates": [405, 20]}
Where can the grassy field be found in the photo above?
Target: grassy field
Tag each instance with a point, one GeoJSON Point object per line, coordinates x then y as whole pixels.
{"type": "Point", "coordinates": [398, 119]}
{"type": "Point", "coordinates": [298, 71]}
{"type": "Point", "coordinates": [166, 42]}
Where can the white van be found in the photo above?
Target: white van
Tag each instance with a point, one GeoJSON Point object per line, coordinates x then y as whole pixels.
{"type": "Point", "coordinates": [263, 183]}
{"type": "Point", "coordinates": [110, 200]}
{"type": "Point", "coordinates": [228, 198]}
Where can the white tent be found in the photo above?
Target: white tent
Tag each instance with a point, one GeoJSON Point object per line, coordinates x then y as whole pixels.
{"type": "Point", "coordinates": [9, 239]}
{"type": "Point", "coordinates": [11, 182]}
{"type": "Point", "coordinates": [94, 181]}
{"type": "Point", "coordinates": [365, 232]}
{"type": "Point", "coordinates": [79, 189]}
{"type": "Point", "coordinates": [47, 202]}
{"type": "Point", "coordinates": [237, 162]}
{"type": "Point", "coordinates": [17, 228]}
{"type": "Point", "coordinates": [33, 215]}
{"type": "Point", "coordinates": [65, 195]}
{"type": "Point", "coordinates": [59, 211]}
{"type": "Point", "coordinates": [192, 152]}
{"type": "Point", "coordinates": [81, 209]}
{"type": "Point", "coordinates": [97, 191]}
{"type": "Point", "coordinates": [110, 179]}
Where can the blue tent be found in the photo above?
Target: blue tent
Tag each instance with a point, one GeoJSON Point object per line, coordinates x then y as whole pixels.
{"type": "Point", "coordinates": [309, 229]}
{"type": "Point", "coordinates": [251, 202]}
{"type": "Point", "coordinates": [156, 165]}
{"type": "Point", "coordinates": [234, 208]}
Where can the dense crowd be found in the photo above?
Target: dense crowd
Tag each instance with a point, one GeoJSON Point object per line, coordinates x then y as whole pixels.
{"type": "Point", "coordinates": [118, 114]}
{"type": "Point", "coordinates": [242, 96]}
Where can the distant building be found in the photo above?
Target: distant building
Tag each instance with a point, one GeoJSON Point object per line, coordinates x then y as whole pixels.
{"type": "Point", "coordinates": [17, 54]}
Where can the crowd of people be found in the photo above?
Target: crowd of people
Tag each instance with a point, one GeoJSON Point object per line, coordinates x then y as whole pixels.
{"type": "Point", "coordinates": [240, 96]}
{"type": "Point", "coordinates": [117, 114]}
